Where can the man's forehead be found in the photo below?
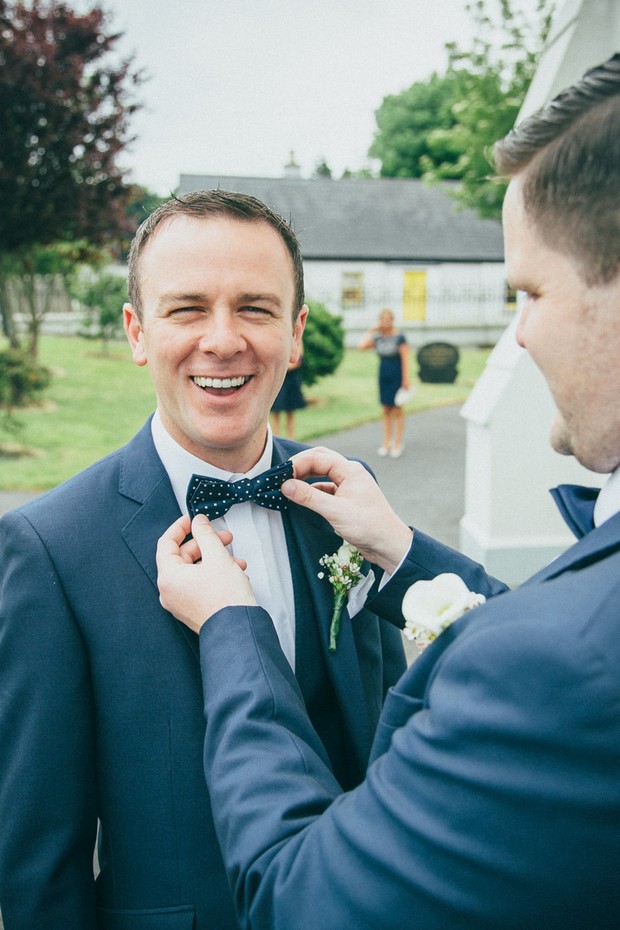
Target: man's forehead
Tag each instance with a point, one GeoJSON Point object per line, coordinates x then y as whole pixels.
{"type": "Point", "coordinates": [179, 233]}
{"type": "Point", "coordinates": [176, 250]}
{"type": "Point", "coordinates": [513, 199]}
{"type": "Point", "coordinates": [517, 225]}
{"type": "Point", "coordinates": [181, 224]}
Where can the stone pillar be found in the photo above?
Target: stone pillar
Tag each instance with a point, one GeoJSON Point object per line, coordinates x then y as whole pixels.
{"type": "Point", "coordinates": [510, 523]}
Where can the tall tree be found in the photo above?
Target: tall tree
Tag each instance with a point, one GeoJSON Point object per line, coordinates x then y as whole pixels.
{"type": "Point", "coordinates": [475, 103]}
{"type": "Point", "coordinates": [495, 76]}
{"type": "Point", "coordinates": [407, 122]}
{"type": "Point", "coordinates": [65, 109]}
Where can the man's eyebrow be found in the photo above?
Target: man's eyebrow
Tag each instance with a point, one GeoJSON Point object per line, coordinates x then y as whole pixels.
{"type": "Point", "coordinates": [243, 298]}
{"type": "Point", "coordinates": [250, 298]}
{"type": "Point", "coordinates": [185, 299]}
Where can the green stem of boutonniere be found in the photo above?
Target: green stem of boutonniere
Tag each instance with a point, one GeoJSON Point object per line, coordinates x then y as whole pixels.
{"type": "Point", "coordinates": [340, 600]}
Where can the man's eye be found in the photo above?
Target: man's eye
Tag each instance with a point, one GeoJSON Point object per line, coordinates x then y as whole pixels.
{"type": "Point", "coordinates": [258, 310]}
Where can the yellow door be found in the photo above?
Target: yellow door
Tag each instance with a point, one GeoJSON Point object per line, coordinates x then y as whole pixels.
{"type": "Point", "coordinates": [414, 295]}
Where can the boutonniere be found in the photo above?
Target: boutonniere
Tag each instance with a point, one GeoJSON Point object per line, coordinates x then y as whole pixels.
{"type": "Point", "coordinates": [429, 607]}
{"type": "Point", "coordinates": [344, 568]}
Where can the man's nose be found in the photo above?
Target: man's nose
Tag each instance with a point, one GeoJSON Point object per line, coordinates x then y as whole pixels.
{"type": "Point", "coordinates": [520, 330]}
{"type": "Point", "coordinates": [222, 335]}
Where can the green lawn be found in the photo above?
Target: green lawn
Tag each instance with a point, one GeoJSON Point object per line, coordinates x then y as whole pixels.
{"type": "Point", "coordinates": [97, 402]}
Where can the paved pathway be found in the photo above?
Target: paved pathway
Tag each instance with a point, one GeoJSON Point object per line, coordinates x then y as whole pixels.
{"type": "Point", "coordinates": [426, 485]}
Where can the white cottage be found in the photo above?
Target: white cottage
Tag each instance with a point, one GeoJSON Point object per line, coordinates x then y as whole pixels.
{"type": "Point", "coordinates": [398, 243]}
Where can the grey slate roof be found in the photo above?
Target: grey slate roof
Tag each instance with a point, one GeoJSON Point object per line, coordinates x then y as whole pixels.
{"type": "Point", "coordinates": [370, 219]}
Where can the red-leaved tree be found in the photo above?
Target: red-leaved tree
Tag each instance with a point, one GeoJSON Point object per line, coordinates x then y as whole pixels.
{"type": "Point", "coordinates": [66, 100]}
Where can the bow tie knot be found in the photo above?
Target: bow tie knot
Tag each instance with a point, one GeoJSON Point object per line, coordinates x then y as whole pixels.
{"type": "Point", "coordinates": [214, 497]}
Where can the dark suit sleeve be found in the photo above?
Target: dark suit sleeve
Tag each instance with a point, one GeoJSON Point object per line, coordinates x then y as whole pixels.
{"type": "Point", "coordinates": [484, 814]}
{"type": "Point", "coordinates": [47, 790]}
{"type": "Point", "coordinates": [427, 558]}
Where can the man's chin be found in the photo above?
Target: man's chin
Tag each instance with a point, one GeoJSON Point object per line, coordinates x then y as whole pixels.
{"type": "Point", "coordinates": [594, 458]}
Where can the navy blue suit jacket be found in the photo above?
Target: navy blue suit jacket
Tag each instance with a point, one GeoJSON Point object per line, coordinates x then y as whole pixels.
{"type": "Point", "coordinates": [493, 797]}
{"type": "Point", "coordinates": [101, 705]}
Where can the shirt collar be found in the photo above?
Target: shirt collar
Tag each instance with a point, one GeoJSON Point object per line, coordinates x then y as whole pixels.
{"type": "Point", "coordinates": [608, 502]}
{"type": "Point", "coordinates": [181, 464]}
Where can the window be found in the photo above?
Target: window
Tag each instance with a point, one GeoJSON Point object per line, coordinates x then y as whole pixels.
{"type": "Point", "coordinates": [352, 289]}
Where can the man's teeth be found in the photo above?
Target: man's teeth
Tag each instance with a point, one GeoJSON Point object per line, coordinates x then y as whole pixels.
{"type": "Point", "coordinates": [220, 382]}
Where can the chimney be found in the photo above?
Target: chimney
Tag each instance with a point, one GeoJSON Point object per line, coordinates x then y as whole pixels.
{"type": "Point", "coordinates": [292, 169]}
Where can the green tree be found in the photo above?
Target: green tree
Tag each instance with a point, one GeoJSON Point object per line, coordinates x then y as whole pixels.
{"type": "Point", "coordinates": [358, 173]}
{"type": "Point", "coordinates": [406, 123]}
{"type": "Point", "coordinates": [103, 298]}
{"type": "Point", "coordinates": [476, 102]}
{"type": "Point", "coordinates": [323, 345]}
{"type": "Point", "coordinates": [65, 108]}
{"type": "Point", "coordinates": [322, 169]}
{"type": "Point", "coordinates": [36, 279]}
{"type": "Point", "coordinates": [494, 80]}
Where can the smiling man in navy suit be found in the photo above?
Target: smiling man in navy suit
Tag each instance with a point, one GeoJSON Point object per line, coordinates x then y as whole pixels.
{"type": "Point", "coordinates": [492, 800]}
{"type": "Point", "coordinates": [101, 704]}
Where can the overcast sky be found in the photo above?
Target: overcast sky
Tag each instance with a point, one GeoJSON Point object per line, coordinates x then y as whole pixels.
{"type": "Point", "coordinates": [236, 85]}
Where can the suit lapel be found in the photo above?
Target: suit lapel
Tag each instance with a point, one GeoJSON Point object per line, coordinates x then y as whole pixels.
{"type": "Point", "coordinates": [144, 480]}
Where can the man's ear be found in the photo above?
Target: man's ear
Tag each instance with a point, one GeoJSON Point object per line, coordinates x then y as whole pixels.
{"type": "Point", "coordinates": [298, 331]}
{"type": "Point", "coordinates": [133, 328]}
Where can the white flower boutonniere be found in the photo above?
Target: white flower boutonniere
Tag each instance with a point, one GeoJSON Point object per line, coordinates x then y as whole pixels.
{"type": "Point", "coordinates": [429, 607]}
{"type": "Point", "coordinates": [344, 568]}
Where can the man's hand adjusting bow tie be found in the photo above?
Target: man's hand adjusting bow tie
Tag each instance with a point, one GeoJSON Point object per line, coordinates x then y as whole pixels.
{"type": "Point", "coordinates": [214, 497]}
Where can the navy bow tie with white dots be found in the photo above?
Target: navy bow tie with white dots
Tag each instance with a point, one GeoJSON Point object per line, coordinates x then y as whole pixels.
{"type": "Point", "coordinates": [214, 497]}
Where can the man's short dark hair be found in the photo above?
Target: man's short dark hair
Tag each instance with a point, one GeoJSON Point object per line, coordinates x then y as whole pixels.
{"type": "Point", "coordinates": [215, 203]}
{"type": "Point", "coordinates": [571, 188]}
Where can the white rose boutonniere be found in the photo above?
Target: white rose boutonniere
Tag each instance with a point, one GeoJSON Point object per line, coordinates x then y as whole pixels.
{"type": "Point", "coordinates": [429, 607]}
{"type": "Point", "coordinates": [344, 568]}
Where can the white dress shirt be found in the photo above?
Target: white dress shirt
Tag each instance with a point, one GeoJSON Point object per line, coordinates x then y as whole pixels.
{"type": "Point", "coordinates": [258, 533]}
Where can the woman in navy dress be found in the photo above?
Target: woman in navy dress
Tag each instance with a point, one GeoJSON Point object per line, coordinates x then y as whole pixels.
{"type": "Point", "coordinates": [289, 399]}
{"type": "Point", "coordinates": [393, 351]}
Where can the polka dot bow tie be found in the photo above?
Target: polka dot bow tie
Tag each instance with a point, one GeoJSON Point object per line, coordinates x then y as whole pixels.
{"type": "Point", "coordinates": [214, 497]}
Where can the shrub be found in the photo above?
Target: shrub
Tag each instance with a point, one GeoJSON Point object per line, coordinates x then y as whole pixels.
{"type": "Point", "coordinates": [22, 379]}
{"type": "Point", "coordinates": [323, 346]}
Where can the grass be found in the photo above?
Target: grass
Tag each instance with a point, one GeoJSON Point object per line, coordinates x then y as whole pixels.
{"type": "Point", "coordinates": [97, 402]}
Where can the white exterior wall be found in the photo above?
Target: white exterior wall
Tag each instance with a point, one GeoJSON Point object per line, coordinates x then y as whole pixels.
{"type": "Point", "coordinates": [464, 302]}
